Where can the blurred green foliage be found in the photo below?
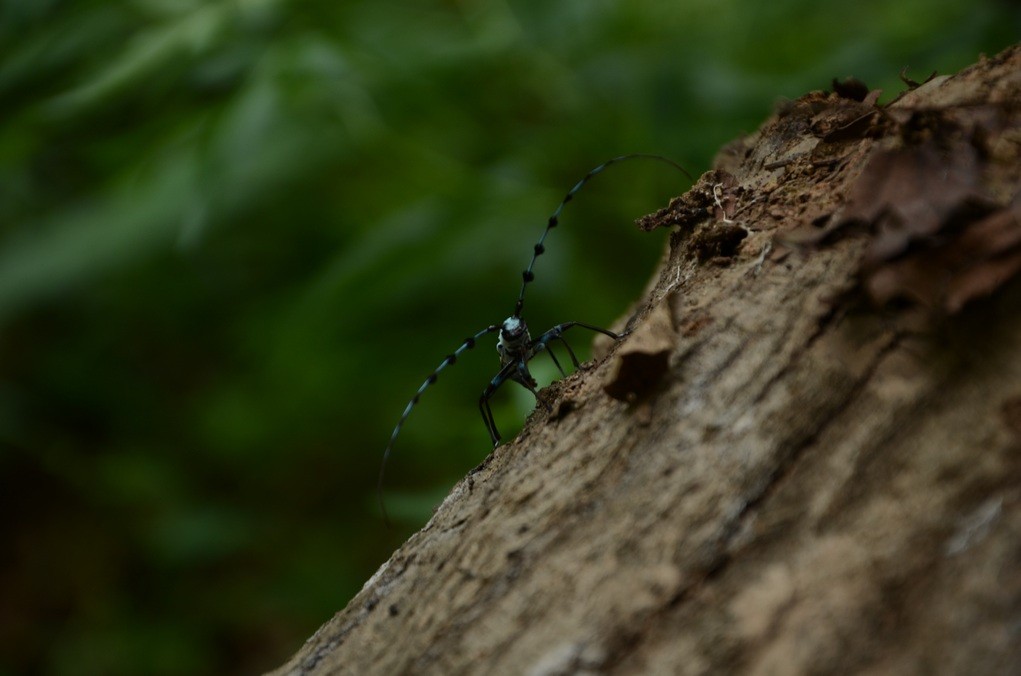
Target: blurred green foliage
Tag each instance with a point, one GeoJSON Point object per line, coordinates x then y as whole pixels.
{"type": "Point", "coordinates": [237, 235]}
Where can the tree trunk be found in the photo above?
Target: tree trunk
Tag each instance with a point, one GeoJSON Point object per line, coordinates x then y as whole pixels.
{"type": "Point", "coordinates": [805, 456]}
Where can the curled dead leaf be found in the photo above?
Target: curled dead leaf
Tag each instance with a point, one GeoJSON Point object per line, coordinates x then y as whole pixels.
{"type": "Point", "coordinates": [912, 193]}
{"type": "Point", "coordinates": [937, 238]}
{"type": "Point", "coordinates": [971, 261]}
{"type": "Point", "coordinates": [642, 361]}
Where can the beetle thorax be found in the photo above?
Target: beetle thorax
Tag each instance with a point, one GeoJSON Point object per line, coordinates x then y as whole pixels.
{"type": "Point", "coordinates": [514, 340]}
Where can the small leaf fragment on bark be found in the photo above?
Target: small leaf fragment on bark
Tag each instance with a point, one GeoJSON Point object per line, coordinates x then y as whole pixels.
{"type": "Point", "coordinates": [642, 361]}
{"type": "Point", "coordinates": [977, 260]}
{"type": "Point", "coordinates": [938, 239]}
{"type": "Point", "coordinates": [912, 193]}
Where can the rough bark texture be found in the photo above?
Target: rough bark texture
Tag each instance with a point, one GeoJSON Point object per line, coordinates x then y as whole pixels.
{"type": "Point", "coordinates": [788, 478]}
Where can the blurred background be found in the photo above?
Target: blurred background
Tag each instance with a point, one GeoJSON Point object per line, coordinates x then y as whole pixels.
{"type": "Point", "coordinates": [237, 235]}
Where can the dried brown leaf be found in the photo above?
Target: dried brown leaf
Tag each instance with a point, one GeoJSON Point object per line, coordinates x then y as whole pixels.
{"type": "Point", "coordinates": [642, 361]}
{"type": "Point", "coordinates": [912, 193]}
{"type": "Point", "coordinates": [974, 261]}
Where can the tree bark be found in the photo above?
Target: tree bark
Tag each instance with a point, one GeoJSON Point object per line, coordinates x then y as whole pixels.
{"type": "Point", "coordinates": [803, 458]}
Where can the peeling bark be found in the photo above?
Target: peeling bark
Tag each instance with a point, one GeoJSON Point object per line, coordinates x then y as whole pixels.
{"type": "Point", "coordinates": [789, 478]}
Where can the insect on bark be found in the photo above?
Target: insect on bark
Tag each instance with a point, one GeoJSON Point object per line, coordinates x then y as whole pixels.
{"type": "Point", "coordinates": [515, 344]}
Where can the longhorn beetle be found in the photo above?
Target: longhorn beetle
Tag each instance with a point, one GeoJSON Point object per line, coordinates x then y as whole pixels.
{"type": "Point", "coordinates": [515, 345]}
